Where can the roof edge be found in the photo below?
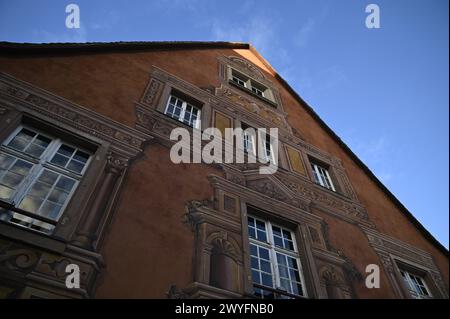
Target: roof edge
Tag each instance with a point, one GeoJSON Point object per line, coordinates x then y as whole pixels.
{"type": "Point", "coordinates": [26, 48]}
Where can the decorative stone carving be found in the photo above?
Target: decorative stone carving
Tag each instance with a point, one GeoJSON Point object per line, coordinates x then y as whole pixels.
{"type": "Point", "coordinates": [250, 106]}
{"type": "Point", "coordinates": [17, 258]}
{"type": "Point", "coordinates": [116, 164]}
{"type": "Point", "coordinates": [152, 92]}
{"type": "Point", "coordinates": [175, 293]}
{"type": "Point", "coordinates": [192, 217]}
{"type": "Point", "coordinates": [268, 188]}
{"type": "Point", "coordinates": [51, 106]}
{"type": "Point", "coordinates": [249, 68]}
{"type": "Point", "coordinates": [323, 198]}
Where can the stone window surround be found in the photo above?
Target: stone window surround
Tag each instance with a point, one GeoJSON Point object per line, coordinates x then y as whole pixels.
{"type": "Point", "coordinates": [280, 213]}
{"type": "Point", "coordinates": [250, 82]}
{"type": "Point", "coordinates": [395, 254]}
{"type": "Point", "coordinates": [81, 227]}
{"type": "Point", "coordinates": [298, 230]}
{"type": "Point", "coordinates": [253, 73]}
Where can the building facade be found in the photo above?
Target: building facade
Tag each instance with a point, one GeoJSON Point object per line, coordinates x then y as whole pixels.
{"type": "Point", "coordinates": [86, 179]}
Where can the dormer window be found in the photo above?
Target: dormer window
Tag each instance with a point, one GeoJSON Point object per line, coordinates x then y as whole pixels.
{"type": "Point", "coordinates": [251, 86]}
{"type": "Point", "coordinates": [239, 81]}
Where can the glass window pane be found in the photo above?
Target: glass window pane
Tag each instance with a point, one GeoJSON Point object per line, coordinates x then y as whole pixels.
{"type": "Point", "coordinates": [288, 244]}
{"type": "Point", "coordinates": [262, 236]}
{"type": "Point", "coordinates": [254, 263]}
{"type": "Point", "coordinates": [287, 234]}
{"type": "Point", "coordinates": [253, 250]}
{"type": "Point", "coordinates": [264, 253]}
{"type": "Point", "coordinates": [5, 161]}
{"type": "Point", "coordinates": [251, 232]}
{"type": "Point", "coordinates": [75, 166]}
{"type": "Point", "coordinates": [59, 160]}
{"type": "Point", "coordinates": [278, 241]}
{"type": "Point", "coordinates": [18, 144]}
{"type": "Point", "coordinates": [21, 167]}
{"type": "Point", "coordinates": [255, 277]}
{"type": "Point", "coordinates": [292, 262]}
{"type": "Point", "coordinates": [40, 190]}
{"type": "Point", "coordinates": [35, 150]}
{"type": "Point", "coordinates": [260, 225]}
{"type": "Point", "coordinates": [276, 231]}
{"type": "Point", "coordinates": [48, 177]}
{"type": "Point", "coordinates": [31, 204]}
{"type": "Point", "coordinates": [66, 150]}
{"type": "Point", "coordinates": [58, 196]}
{"type": "Point", "coordinates": [251, 221]}
{"type": "Point", "coordinates": [294, 275]}
{"type": "Point", "coordinates": [65, 184]}
{"type": "Point", "coordinates": [266, 280]}
{"type": "Point", "coordinates": [281, 259]}
{"type": "Point", "coordinates": [81, 156]}
{"type": "Point", "coordinates": [11, 179]}
{"type": "Point", "coordinates": [298, 289]}
{"type": "Point", "coordinates": [283, 272]}
{"type": "Point", "coordinates": [42, 141]}
{"type": "Point", "coordinates": [285, 285]}
{"type": "Point", "coordinates": [265, 266]}
{"type": "Point", "coordinates": [50, 210]}
{"type": "Point", "coordinates": [6, 192]}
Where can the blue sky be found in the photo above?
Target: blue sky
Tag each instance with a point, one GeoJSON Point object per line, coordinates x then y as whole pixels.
{"type": "Point", "coordinates": [383, 91]}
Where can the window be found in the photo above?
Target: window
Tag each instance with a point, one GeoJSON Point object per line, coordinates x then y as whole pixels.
{"type": "Point", "coordinates": [415, 285]}
{"type": "Point", "coordinates": [239, 81]}
{"type": "Point", "coordinates": [274, 259]}
{"type": "Point", "coordinates": [183, 111]}
{"type": "Point", "coordinates": [249, 139]}
{"type": "Point", "coordinates": [268, 150]}
{"type": "Point", "coordinates": [252, 86]}
{"type": "Point", "coordinates": [322, 176]}
{"type": "Point", "coordinates": [38, 174]}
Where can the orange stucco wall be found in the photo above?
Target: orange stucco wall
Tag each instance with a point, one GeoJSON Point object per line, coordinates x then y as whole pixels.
{"type": "Point", "coordinates": [146, 235]}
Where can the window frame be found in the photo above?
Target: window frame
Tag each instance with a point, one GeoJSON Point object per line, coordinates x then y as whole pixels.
{"type": "Point", "coordinates": [318, 176]}
{"type": "Point", "coordinates": [270, 158]}
{"type": "Point", "coordinates": [411, 287]}
{"type": "Point", "coordinates": [253, 139]}
{"type": "Point", "coordinates": [250, 85]}
{"type": "Point", "coordinates": [39, 165]}
{"type": "Point", "coordinates": [269, 244]}
{"type": "Point", "coordinates": [183, 110]}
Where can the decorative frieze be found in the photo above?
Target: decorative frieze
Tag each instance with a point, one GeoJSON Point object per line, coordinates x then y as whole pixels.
{"type": "Point", "coordinates": [27, 97]}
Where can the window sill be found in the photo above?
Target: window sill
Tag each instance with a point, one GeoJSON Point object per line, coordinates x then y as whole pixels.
{"type": "Point", "coordinates": [272, 103]}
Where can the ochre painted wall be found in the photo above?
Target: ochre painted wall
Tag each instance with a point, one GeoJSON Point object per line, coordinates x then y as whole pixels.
{"type": "Point", "coordinates": [146, 235]}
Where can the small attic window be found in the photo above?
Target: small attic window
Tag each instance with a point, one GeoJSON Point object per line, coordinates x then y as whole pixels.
{"type": "Point", "coordinates": [251, 86]}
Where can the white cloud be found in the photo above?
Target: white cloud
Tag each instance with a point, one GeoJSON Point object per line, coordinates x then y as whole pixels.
{"type": "Point", "coordinates": [67, 36]}
{"type": "Point", "coordinates": [302, 36]}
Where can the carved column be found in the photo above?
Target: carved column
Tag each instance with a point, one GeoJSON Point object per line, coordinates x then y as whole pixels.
{"type": "Point", "coordinates": [91, 219]}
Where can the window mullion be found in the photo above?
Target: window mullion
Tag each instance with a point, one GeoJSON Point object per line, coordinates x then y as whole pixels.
{"type": "Point", "coordinates": [273, 255]}
{"type": "Point", "coordinates": [319, 176]}
{"type": "Point", "coordinates": [183, 110]}
{"type": "Point", "coordinates": [330, 180]}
